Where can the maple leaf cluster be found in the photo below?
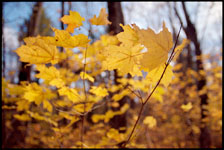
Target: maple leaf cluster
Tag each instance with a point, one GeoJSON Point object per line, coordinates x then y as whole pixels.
{"type": "Point", "coordinates": [132, 51]}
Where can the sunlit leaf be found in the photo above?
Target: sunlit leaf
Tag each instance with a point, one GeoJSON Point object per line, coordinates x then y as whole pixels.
{"type": "Point", "coordinates": [101, 19]}
{"type": "Point", "coordinates": [37, 51]}
{"type": "Point", "coordinates": [74, 20]}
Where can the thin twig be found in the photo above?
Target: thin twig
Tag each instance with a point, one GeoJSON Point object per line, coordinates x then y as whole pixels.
{"type": "Point", "coordinates": [135, 93]}
{"type": "Point", "coordinates": [141, 98]}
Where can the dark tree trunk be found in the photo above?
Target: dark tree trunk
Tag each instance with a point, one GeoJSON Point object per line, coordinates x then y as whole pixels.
{"type": "Point", "coordinates": [189, 57]}
{"type": "Point", "coordinates": [33, 27]}
{"type": "Point", "coordinates": [61, 64]}
{"type": "Point", "coordinates": [191, 33]}
{"type": "Point", "coordinates": [116, 17]}
{"type": "Point", "coordinates": [62, 14]}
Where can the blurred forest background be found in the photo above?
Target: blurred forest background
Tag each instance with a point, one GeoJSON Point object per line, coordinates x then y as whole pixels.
{"type": "Point", "coordinates": [198, 71]}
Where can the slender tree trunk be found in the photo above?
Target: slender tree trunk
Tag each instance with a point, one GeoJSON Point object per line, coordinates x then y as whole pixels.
{"type": "Point", "coordinates": [205, 138]}
{"type": "Point", "coordinates": [116, 17]}
{"type": "Point", "coordinates": [62, 14]}
{"type": "Point", "coordinates": [61, 64]}
{"type": "Point", "coordinates": [191, 33]}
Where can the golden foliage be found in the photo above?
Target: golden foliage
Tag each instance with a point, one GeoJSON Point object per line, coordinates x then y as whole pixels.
{"type": "Point", "coordinates": [64, 109]}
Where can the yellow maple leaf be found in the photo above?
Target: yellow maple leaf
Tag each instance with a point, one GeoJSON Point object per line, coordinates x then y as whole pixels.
{"type": "Point", "coordinates": [37, 51]}
{"type": "Point", "coordinates": [47, 73]}
{"type": "Point", "coordinates": [101, 19]}
{"type": "Point", "coordinates": [51, 75]}
{"type": "Point", "coordinates": [129, 36]}
{"type": "Point", "coordinates": [154, 75]}
{"type": "Point", "coordinates": [33, 93]}
{"type": "Point", "coordinates": [86, 76]}
{"type": "Point", "coordinates": [158, 46]}
{"type": "Point", "coordinates": [62, 38]}
{"type": "Point", "coordinates": [37, 94]}
{"type": "Point", "coordinates": [72, 94]}
{"type": "Point", "coordinates": [150, 121]}
{"type": "Point", "coordinates": [74, 20]}
{"type": "Point", "coordinates": [123, 58]}
{"type": "Point", "coordinates": [186, 107]}
{"type": "Point", "coordinates": [99, 91]}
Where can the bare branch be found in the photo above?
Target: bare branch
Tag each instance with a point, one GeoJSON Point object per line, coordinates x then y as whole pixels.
{"type": "Point", "coordinates": [177, 14]}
